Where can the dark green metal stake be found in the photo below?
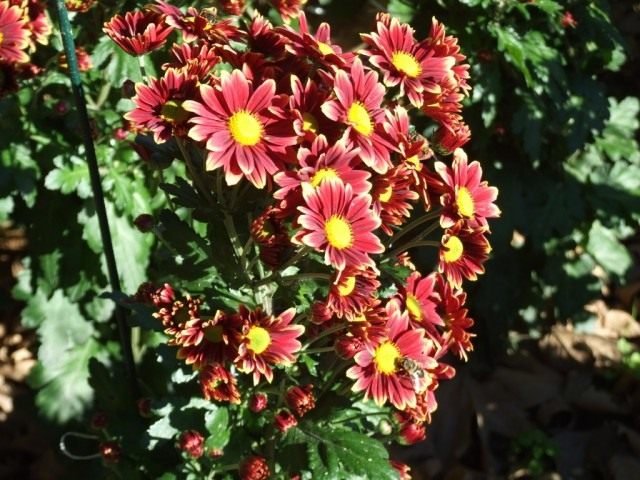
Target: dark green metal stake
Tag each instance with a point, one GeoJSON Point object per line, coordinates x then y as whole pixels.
{"type": "Point", "coordinates": [96, 187]}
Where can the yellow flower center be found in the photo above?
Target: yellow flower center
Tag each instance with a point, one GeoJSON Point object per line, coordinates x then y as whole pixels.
{"type": "Point", "coordinates": [338, 230]}
{"type": "Point", "coordinates": [413, 305]}
{"type": "Point", "coordinates": [464, 201]}
{"type": "Point", "coordinates": [346, 286]}
{"type": "Point", "coordinates": [1, 37]}
{"type": "Point", "coordinates": [454, 249]}
{"type": "Point", "coordinates": [385, 196]}
{"type": "Point", "coordinates": [173, 112]}
{"type": "Point", "coordinates": [415, 162]}
{"type": "Point", "coordinates": [358, 318]}
{"type": "Point", "coordinates": [309, 123]}
{"type": "Point", "coordinates": [325, 48]}
{"type": "Point", "coordinates": [246, 129]}
{"type": "Point", "coordinates": [322, 175]}
{"type": "Point", "coordinates": [259, 339]}
{"type": "Point", "coordinates": [213, 334]}
{"type": "Point", "coordinates": [406, 63]}
{"type": "Point", "coordinates": [385, 357]}
{"type": "Point", "coordinates": [359, 118]}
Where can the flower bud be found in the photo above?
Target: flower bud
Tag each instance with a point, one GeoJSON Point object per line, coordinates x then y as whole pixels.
{"type": "Point", "coordinates": [144, 407]}
{"type": "Point", "coordinates": [402, 468]}
{"type": "Point", "coordinates": [411, 433]}
{"type": "Point", "coordinates": [192, 443]}
{"type": "Point", "coordinates": [99, 421]}
{"type": "Point", "coordinates": [110, 452]}
{"type": "Point", "coordinates": [301, 399]}
{"type": "Point", "coordinates": [144, 222]}
{"type": "Point", "coordinates": [285, 420]}
{"type": "Point", "coordinates": [254, 468]}
{"type": "Point", "coordinates": [258, 402]}
{"type": "Point", "coordinates": [347, 347]}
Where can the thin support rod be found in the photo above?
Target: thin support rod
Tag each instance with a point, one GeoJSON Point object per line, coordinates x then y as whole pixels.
{"type": "Point", "coordinates": [98, 195]}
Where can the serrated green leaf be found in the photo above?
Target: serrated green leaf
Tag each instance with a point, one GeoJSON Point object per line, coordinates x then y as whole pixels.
{"type": "Point", "coordinates": [217, 424]}
{"type": "Point", "coordinates": [344, 454]}
{"type": "Point", "coordinates": [69, 176]}
{"type": "Point", "coordinates": [607, 250]}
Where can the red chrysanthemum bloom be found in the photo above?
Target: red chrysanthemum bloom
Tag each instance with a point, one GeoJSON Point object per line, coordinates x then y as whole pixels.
{"type": "Point", "coordinates": [14, 34]}
{"type": "Point", "coordinates": [38, 21]}
{"type": "Point", "coordinates": [340, 224]}
{"type": "Point", "coordinates": [319, 164]}
{"type": "Point", "coordinates": [288, 9]}
{"type": "Point", "coordinates": [301, 399]}
{"type": "Point", "coordinates": [218, 384]}
{"type": "Point", "coordinates": [456, 337]}
{"type": "Point", "coordinates": [357, 105]}
{"type": "Point", "coordinates": [232, 7]}
{"type": "Point", "coordinates": [315, 47]}
{"type": "Point", "coordinates": [466, 196]}
{"type": "Point", "coordinates": [198, 25]}
{"type": "Point", "coordinates": [138, 32]}
{"type": "Point", "coordinates": [207, 340]}
{"type": "Point", "coordinates": [419, 299]}
{"type": "Point", "coordinates": [84, 60]}
{"type": "Point", "coordinates": [243, 128]}
{"type": "Point", "coordinates": [394, 369]}
{"type": "Point", "coordinates": [305, 103]}
{"type": "Point", "coordinates": [266, 340]}
{"type": "Point", "coordinates": [159, 105]}
{"type": "Point", "coordinates": [284, 420]}
{"type": "Point", "coordinates": [453, 133]}
{"type": "Point", "coordinates": [191, 442]}
{"type": "Point", "coordinates": [271, 236]}
{"type": "Point", "coordinates": [463, 252]}
{"type": "Point", "coordinates": [263, 38]}
{"type": "Point", "coordinates": [254, 468]}
{"type": "Point", "coordinates": [79, 5]}
{"type": "Point", "coordinates": [193, 59]}
{"type": "Point", "coordinates": [351, 291]}
{"type": "Point", "coordinates": [411, 433]}
{"type": "Point", "coordinates": [392, 194]}
{"type": "Point", "coordinates": [402, 60]}
{"type": "Point", "coordinates": [402, 468]}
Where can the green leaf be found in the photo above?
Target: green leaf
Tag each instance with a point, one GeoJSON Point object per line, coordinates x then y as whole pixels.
{"type": "Point", "coordinates": [345, 454]}
{"type": "Point", "coordinates": [69, 176]}
{"type": "Point", "coordinates": [607, 250]}
{"type": "Point", "coordinates": [217, 424]}
{"type": "Point", "coordinates": [401, 9]}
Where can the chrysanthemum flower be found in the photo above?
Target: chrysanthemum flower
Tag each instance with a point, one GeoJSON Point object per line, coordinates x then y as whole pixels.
{"type": "Point", "coordinates": [241, 126]}
{"type": "Point", "coordinates": [453, 133]}
{"type": "Point", "coordinates": [218, 384]}
{"type": "Point", "coordinates": [207, 340]}
{"type": "Point", "coordinates": [306, 102]}
{"type": "Point", "coordinates": [341, 224]}
{"type": "Point", "coordinates": [357, 105]}
{"type": "Point", "coordinates": [394, 369]}
{"type": "Point", "coordinates": [288, 9]}
{"type": "Point", "coordinates": [319, 164]}
{"type": "Point", "coordinates": [393, 195]}
{"type": "Point", "coordinates": [232, 7]}
{"type": "Point", "coordinates": [266, 340]}
{"type": "Point", "coordinates": [14, 34]}
{"type": "Point", "coordinates": [402, 60]}
{"type": "Point", "coordinates": [463, 252]}
{"type": "Point", "coordinates": [456, 337]}
{"type": "Point", "coordinates": [466, 197]}
{"type": "Point", "coordinates": [159, 105]}
{"type": "Point", "coordinates": [351, 291]}
{"type": "Point", "coordinates": [79, 5]}
{"type": "Point", "coordinates": [84, 60]}
{"type": "Point", "coordinates": [193, 59]}
{"type": "Point", "coordinates": [254, 468]}
{"type": "Point", "coordinates": [316, 47]}
{"type": "Point", "coordinates": [272, 238]}
{"type": "Point", "coordinates": [263, 38]}
{"type": "Point", "coordinates": [138, 32]}
{"type": "Point", "coordinates": [420, 300]}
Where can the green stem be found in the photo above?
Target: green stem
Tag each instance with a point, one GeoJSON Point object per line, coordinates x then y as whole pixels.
{"type": "Point", "coordinates": [304, 276]}
{"type": "Point", "coordinates": [358, 416]}
{"type": "Point", "coordinates": [278, 274]}
{"type": "Point", "coordinates": [319, 350]}
{"type": "Point", "coordinates": [226, 468]}
{"type": "Point", "coordinates": [143, 70]}
{"type": "Point", "coordinates": [416, 223]}
{"type": "Point", "coordinates": [419, 243]}
{"type": "Point", "coordinates": [197, 179]}
{"type": "Point", "coordinates": [325, 333]}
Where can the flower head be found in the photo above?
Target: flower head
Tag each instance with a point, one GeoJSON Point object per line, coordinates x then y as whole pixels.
{"type": "Point", "coordinates": [393, 368]}
{"type": "Point", "coordinates": [191, 442]}
{"type": "Point", "coordinates": [218, 384]}
{"type": "Point", "coordinates": [340, 224]}
{"type": "Point", "coordinates": [463, 252]}
{"type": "Point", "coordinates": [266, 340]}
{"type": "Point", "coordinates": [254, 468]}
{"type": "Point", "coordinates": [420, 301]}
{"type": "Point", "coordinates": [14, 34]}
{"type": "Point", "coordinates": [241, 127]}
{"type": "Point", "coordinates": [138, 32]}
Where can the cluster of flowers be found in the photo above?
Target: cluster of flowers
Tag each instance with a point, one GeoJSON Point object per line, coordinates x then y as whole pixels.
{"type": "Point", "coordinates": [326, 135]}
{"type": "Point", "coordinates": [23, 25]}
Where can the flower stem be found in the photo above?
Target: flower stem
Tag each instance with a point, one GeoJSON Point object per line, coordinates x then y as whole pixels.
{"type": "Point", "coordinates": [319, 350]}
{"type": "Point", "coordinates": [416, 223]}
{"type": "Point", "coordinates": [414, 244]}
{"type": "Point", "coordinates": [360, 415]}
{"type": "Point", "coordinates": [325, 333]}
{"type": "Point", "coordinates": [278, 274]}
